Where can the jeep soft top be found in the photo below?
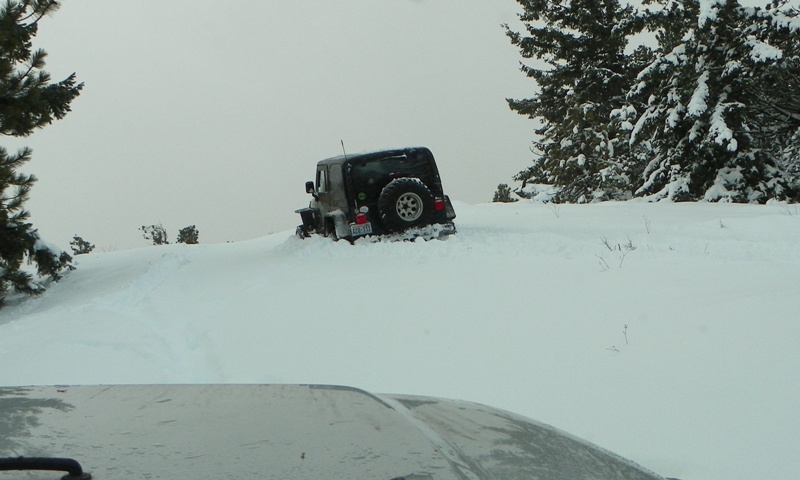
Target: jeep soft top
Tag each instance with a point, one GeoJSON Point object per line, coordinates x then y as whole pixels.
{"type": "Point", "coordinates": [384, 192]}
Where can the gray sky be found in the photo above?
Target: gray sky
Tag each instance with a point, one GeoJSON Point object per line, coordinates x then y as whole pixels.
{"type": "Point", "coordinates": [215, 113]}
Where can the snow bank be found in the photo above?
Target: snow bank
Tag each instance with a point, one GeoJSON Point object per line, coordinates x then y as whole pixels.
{"type": "Point", "coordinates": [666, 333]}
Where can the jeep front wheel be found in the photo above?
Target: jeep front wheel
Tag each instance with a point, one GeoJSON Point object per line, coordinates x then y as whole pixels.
{"type": "Point", "coordinates": [405, 203]}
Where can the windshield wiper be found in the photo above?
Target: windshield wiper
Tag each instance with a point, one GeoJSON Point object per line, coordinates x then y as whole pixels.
{"type": "Point", "coordinates": [72, 467]}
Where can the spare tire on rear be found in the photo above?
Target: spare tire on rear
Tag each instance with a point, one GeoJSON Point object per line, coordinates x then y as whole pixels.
{"type": "Point", "coordinates": [405, 203]}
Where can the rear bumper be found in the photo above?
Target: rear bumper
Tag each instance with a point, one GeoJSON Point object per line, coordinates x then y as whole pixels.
{"type": "Point", "coordinates": [426, 232]}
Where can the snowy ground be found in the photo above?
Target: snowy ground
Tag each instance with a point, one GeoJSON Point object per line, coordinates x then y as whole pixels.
{"type": "Point", "coordinates": [666, 333]}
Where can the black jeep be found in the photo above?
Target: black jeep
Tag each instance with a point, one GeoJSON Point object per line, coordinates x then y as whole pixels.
{"type": "Point", "coordinates": [378, 193]}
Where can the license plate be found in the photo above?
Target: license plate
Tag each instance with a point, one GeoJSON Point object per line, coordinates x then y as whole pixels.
{"type": "Point", "coordinates": [364, 229]}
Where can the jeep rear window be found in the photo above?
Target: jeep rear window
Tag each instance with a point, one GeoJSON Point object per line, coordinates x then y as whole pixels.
{"type": "Point", "coordinates": [370, 176]}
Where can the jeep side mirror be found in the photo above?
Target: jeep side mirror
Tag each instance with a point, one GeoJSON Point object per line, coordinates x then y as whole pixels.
{"type": "Point", "coordinates": [310, 187]}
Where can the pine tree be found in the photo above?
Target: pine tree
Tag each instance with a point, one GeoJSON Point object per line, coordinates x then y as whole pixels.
{"type": "Point", "coordinates": [28, 101]}
{"type": "Point", "coordinates": [581, 150]}
{"type": "Point", "coordinates": [791, 157]}
{"type": "Point", "coordinates": [705, 127]}
{"type": "Point", "coordinates": [776, 96]}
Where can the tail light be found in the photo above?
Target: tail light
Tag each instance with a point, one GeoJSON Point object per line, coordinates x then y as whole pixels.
{"type": "Point", "coordinates": [361, 218]}
{"type": "Point", "coordinates": [438, 204]}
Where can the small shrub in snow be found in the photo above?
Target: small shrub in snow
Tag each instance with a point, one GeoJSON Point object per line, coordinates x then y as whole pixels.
{"type": "Point", "coordinates": [603, 264]}
{"type": "Point", "coordinates": [620, 249]}
{"type": "Point", "coordinates": [189, 235]}
{"type": "Point", "coordinates": [80, 246]}
{"type": "Point", "coordinates": [613, 348]}
{"type": "Point", "coordinates": [786, 209]}
{"type": "Point", "coordinates": [155, 233]}
{"type": "Point", "coordinates": [503, 194]}
{"type": "Point", "coordinates": [556, 209]}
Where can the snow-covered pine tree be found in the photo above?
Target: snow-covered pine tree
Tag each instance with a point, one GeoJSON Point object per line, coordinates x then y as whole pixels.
{"type": "Point", "coordinates": [588, 73]}
{"type": "Point", "coordinates": [791, 157]}
{"type": "Point", "coordinates": [28, 101]}
{"type": "Point", "coordinates": [776, 96]}
{"type": "Point", "coordinates": [704, 126]}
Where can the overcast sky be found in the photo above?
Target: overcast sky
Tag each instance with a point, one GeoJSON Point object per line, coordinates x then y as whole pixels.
{"type": "Point", "coordinates": [215, 113]}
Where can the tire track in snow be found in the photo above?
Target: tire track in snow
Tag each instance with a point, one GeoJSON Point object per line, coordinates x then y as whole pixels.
{"type": "Point", "coordinates": [164, 335]}
{"type": "Point", "coordinates": [155, 274]}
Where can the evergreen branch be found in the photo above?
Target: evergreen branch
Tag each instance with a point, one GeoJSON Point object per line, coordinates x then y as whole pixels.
{"type": "Point", "coordinates": [51, 7]}
{"type": "Point", "coordinates": [36, 62]}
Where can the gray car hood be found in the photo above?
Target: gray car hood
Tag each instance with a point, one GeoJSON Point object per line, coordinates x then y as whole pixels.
{"type": "Point", "coordinates": [288, 432]}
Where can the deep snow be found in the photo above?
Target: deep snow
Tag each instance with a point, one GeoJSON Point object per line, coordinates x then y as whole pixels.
{"type": "Point", "coordinates": [664, 332]}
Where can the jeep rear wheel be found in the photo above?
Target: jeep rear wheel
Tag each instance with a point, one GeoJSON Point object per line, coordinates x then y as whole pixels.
{"type": "Point", "coordinates": [405, 203]}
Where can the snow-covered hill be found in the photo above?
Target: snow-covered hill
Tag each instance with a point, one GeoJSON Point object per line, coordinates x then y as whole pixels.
{"type": "Point", "coordinates": [667, 333]}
